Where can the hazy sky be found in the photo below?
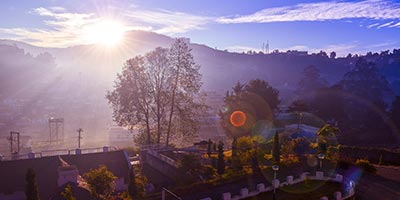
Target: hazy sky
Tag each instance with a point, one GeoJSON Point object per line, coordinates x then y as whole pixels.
{"type": "Point", "coordinates": [342, 26]}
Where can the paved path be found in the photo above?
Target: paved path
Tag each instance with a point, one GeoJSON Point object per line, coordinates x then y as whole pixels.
{"type": "Point", "coordinates": [383, 186]}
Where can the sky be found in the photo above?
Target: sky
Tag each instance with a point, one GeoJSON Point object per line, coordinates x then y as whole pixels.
{"type": "Point", "coordinates": [341, 26]}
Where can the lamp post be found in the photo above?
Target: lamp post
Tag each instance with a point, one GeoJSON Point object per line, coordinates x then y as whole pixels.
{"type": "Point", "coordinates": [299, 124]}
{"type": "Point", "coordinates": [321, 157]}
{"type": "Point", "coordinates": [275, 168]}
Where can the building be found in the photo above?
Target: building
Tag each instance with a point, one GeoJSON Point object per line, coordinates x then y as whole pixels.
{"type": "Point", "coordinates": [52, 174]}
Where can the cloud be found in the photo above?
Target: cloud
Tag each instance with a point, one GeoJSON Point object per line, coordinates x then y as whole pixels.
{"type": "Point", "coordinates": [321, 11]}
{"type": "Point", "coordinates": [168, 22]}
{"type": "Point", "coordinates": [63, 28]}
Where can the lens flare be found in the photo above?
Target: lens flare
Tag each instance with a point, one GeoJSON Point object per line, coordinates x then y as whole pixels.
{"type": "Point", "coordinates": [238, 118]}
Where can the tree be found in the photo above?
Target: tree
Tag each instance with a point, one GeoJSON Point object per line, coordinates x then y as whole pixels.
{"type": "Point", "coordinates": [31, 189]}
{"type": "Point", "coordinates": [235, 160]}
{"type": "Point", "coordinates": [332, 55]}
{"type": "Point", "coordinates": [329, 104]}
{"type": "Point", "coordinates": [185, 87]}
{"type": "Point", "coordinates": [326, 137]}
{"type": "Point", "coordinates": [366, 105]}
{"type": "Point", "coordinates": [299, 105]}
{"type": "Point", "coordinates": [256, 101]}
{"type": "Point", "coordinates": [221, 162]}
{"type": "Point", "coordinates": [269, 94]}
{"type": "Point", "coordinates": [132, 189]}
{"type": "Point", "coordinates": [209, 148]}
{"type": "Point", "coordinates": [366, 81]}
{"type": "Point", "coordinates": [311, 81]}
{"type": "Point", "coordinates": [276, 149]}
{"type": "Point", "coordinates": [67, 193]}
{"type": "Point", "coordinates": [101, 182]}
{"type": "Point", "coordinates": [159, 92]}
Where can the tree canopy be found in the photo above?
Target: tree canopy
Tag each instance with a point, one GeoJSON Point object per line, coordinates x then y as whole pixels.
{"type": "Point", "coordinates": [101, 182]}
{"type": "Point", "coordinates": [159, 92]}
{"type": "Point", "coordinates": [256, 101]}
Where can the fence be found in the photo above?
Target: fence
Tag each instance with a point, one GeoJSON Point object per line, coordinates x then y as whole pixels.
{"type": "Point", "coordinates": [261, 187]}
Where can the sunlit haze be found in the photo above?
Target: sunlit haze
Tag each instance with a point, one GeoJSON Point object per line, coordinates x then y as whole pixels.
{"type": "Point", "coordinates": [106, 32]}
{"type": "Point", "coordinates": [200, 99]}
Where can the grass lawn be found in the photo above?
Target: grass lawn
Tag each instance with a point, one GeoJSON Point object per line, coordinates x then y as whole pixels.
{"type": "Point", "coordinates": [313, 190]}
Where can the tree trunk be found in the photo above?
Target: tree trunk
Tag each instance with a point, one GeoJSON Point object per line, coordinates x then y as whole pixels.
{"type": "Point", "coordinates": [172, 103]}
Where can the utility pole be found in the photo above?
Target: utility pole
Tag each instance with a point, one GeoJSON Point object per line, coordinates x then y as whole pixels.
{"type": "Point", "coordinates": [79, 137]}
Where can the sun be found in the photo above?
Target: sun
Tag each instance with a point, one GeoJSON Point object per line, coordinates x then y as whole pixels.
{"type": "Point", "coordinates": [106, 32]}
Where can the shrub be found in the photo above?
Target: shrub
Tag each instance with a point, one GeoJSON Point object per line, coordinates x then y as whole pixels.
{"type": "Point", "coordinates": [364, 163]}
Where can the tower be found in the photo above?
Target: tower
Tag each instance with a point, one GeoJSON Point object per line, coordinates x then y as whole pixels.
{"type": "Point", "coordinates": [56, 129]}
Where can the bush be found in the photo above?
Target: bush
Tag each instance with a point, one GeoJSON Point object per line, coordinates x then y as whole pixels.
{"type": "Point", "coordinates": [364, 163]}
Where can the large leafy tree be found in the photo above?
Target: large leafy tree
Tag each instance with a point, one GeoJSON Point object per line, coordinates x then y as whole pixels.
{"type": "Point", "coordinates": [311, 81]}
{"type": "Point", "coordinates": [160, 92]}
{"type": "Point", "coordinates": [365, 81]}
{"type": "Point", "coordinates": [368, 89]}
{"type": "Point", "coordinates": [256, 99]}
{"type": "Point", "coordinates": [101, 182]}
{"type": "Point", "coordinates": [31, 189]}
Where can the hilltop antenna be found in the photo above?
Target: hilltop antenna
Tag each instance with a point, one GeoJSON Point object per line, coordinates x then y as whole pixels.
{"type": "Point", "coordinates": [263, 47]}
{"type": "Point", "coordinates": [79, 137]}
{"type": "Point", "coordinates": [267, 47]}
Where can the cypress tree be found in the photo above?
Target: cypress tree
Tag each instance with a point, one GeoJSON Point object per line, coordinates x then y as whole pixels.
{"type": "Point", "coordinates": [235, 160]}
{"type": "Point", "coordinates": [276, 150]}
{"type": "Point", "coordinates": [132, 189]}
{"type": "Point", "coordinates": [31, 189]}
{"type": "Point", "coordinates": [209, 148]}
{"type": "Point", "coordinates": [221, 162]}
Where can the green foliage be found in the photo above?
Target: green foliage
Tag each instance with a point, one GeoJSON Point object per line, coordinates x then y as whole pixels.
{"type": "Point", "coordinates": [67, 193]}
{"type": "Point", "coordinates": [210, 172]}
{"type": "Point", "coordinates": [31, 189]}
{"type": "Point", "coordinates": [366, 165]}
{"type": "Point", "coordinates": [101, 182]}
{"type": "Point", "coordinates": [245, 149]}
{"type": "Point", "coordinates": [327, 137]}
{"type": "Point", "coordinates": [221, 162]}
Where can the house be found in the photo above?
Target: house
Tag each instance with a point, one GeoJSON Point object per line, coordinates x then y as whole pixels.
{"type": "Point", "coordinates": [52, 175]}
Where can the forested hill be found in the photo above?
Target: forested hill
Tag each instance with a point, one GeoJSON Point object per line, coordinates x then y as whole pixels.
{"type": "Point", "coordinates": [19, 69]}
{"type": "Point", "coordinates": [221, 69]}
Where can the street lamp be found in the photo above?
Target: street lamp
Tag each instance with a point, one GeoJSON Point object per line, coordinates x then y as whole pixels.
{"type": "Point", "coordinates": [321, 156]}
{"type": "Point", "coordinates": [299, 124]}
{"type": "Point", "coordinates": [275, 168]}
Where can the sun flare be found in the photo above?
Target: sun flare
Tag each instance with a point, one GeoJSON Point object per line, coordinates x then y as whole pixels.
{"type": "Point", "coordinates": [106, 32]}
